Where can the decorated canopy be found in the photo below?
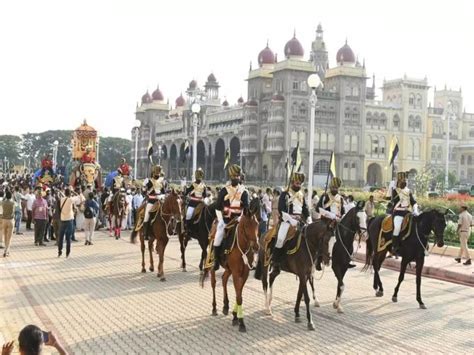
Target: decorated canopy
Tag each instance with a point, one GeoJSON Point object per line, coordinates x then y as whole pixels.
{"type": "Point", "coordinates": [84, 137]}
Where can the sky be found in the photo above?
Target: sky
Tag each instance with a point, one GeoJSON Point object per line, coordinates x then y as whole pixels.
{"type": "Point", "coordinates": [65, 61]}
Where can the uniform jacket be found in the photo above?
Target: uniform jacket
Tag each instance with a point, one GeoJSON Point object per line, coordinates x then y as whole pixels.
{"type": "Point", "coordinates": [196, 193]}
{"type": "Point", "coordinates": [293, 203]}
{"type": "Point", "coordinates": [231, 201]}
{"type": "Point", "coordinates": [331, 203]}
{"type": "Point", "coordinates": [402, 200]}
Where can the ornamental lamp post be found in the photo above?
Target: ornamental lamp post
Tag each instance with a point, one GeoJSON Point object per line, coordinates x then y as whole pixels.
{"type": "Point", "coordinates": [447, 116]}
{"type": "Point", "coordinates": [195, 108]}
{"type": "Point", "coordinates": [136, 130]}
{"type": "Point", "coordinates": [55, 154]}
{"type": "Point", "coordinates": [313, 82]}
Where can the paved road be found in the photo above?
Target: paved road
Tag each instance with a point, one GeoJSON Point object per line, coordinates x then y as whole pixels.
{"type": "Point", "coordinates": [99, 302]}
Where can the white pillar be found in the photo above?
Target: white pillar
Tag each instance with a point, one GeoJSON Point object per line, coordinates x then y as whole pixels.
{"type": "Point", "coordinates": [136, 154]}
{"type": "Point", "coordinates": [195, 129]}
{"type": "Point", "coordinates": [311, 147]}
{"type": "Point", "coordinates": [446, 176]}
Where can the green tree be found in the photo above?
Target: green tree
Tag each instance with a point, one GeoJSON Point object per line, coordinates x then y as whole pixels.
{"type": "Point", "coordinates": [111, 150]}
{"type": "Point", "coordinates": [441, 178]}
{"type": "Point", "coordinates": [10, 149]}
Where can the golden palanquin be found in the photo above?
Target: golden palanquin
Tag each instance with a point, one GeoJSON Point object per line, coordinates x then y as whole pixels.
{"type": "Point", "coordinates": [84, 137]}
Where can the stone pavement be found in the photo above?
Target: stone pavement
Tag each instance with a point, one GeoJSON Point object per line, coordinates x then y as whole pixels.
{"type": "Point", "coordinates": [98, 302]}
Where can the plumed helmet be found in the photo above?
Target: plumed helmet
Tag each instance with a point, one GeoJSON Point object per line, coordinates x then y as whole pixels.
{"type": "Point", "coordinates": [156, 170]}
{"type": "Point", "coordinates": [298, 177]}
{"type": "Point", "coordinates": [199, 174]}
{"type": "Point", "coordinates": [234, 171]}
{"type": "Point", "coordinates": [335, 183]}
{"type": "Point", "coordinates": [401, 177]}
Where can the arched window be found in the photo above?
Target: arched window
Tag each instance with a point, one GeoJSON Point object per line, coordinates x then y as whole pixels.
{"type": "Point", "coordinates": [417, 123]}
{"type": "Point", "coordinates": [368, 119]}
{"type": "Point", "coordinates": [348, 91]}
{"type": "Point", "coordinates": [347, 143]}
{"type": "Point", "coordinates": [324, 141]}
{"type": "Point", "coordinates": [411, 123]}
{"type": "Point", "coordinates": [440, 153]}
{"type": "Point", "coordinates": [353, 171]}
{"type": "Point", "coordinates": [411, 152]}
{"type": "Point", "coordinates": [382, 147]}
{"type": "Point", "coordinates": [345, 171]}
{"type": "Point", "coordinates": [419, 101]}
{"type": "Point", "coordinates": [294, 139]}
{"type": "Point", "coordinates": [375, 146]}
{"type": "Point", "coordinates": [462, 159]}
{"type": "Point", "coordinates": [321, 167]}
{"type": "Point", "coordinates": [433, 153]}
{"type": "Point", "coordinates": [411, 100]}
{"type": "Point", "coordinates": [383, 120]}
{"type": "Point", "coordinates": [396, 122]}
{"type": "Point", "coordinates": [375, 120]}
{"type": "Point", "coordinates": [294, 108]}
{"type": "Point", "coordinates": [354, 143]}
{"type": "Point", "coordinates": [302, 139]}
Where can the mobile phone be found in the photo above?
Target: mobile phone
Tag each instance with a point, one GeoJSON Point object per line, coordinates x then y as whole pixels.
{"type": "Point", "coordinates": [45, 336]}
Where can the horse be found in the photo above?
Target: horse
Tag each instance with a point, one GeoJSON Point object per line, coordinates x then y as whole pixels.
{"type": "Point", "coordinates": [244, 246]}
{"type": "Point", "coordinates": [413, 248]}
{"type": "Point", "coordinates": [354, 221]}
{"type": "Point", "coordinates": [299, 263]}
{"type": "Point", "coordinates": [117, 211]}
{"type": "Point", "coordinates": [163, 223]}
{"type": "Point", "coordinates": [199, 228]}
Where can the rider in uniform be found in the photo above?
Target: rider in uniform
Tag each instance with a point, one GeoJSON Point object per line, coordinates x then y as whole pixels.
{"type": "Point", "coordinates": [196, 193]}
{"type": "Point", "coordinates": [331, 204]}
{"type": "Point", "coordinates": [293, 210]}
{"type": "Point", "coordinates": [231, 201]}
{"type": "Point", "coordinates": [155, 190]}
{"type": "Point", "coordinates": [402, 202]}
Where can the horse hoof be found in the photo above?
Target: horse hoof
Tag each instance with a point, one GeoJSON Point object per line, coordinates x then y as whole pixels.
{"type": "Point", "coordinates": [242, 328]}
{"type": "Point", "coordinates": [163, 279]}
{"type": "Point", "coordinates": [311, 326]}
{"type": "Point", "coordinates": [151, 269]}
{"type": "Point", "coordinates": [268, 312]}
{"type": "Point", "coordinates": [340, 310]}
{"type": "Point", "coordinates": [184, 270]}
{"type": "Point", "coordinates": [422, 306]}
{"type": "Point", "coordinates": [334, 305]}
{"type": "Point", "coordinates": [379, 293]}
{"type": "Point", "coordinates": [143, 271]}
{"type": "Point", "coordinates": [394, 299]}
{"type": "Point", "coordinates": [235, 322]}
{"type": "Point", "coordinates": [214, 312]}
{"type": "Point", "coordinates": [316, 304]}
{"type": "Point", "coordinates": [225, 311]}
{"type": "Point", "coordinates": [297, 319]}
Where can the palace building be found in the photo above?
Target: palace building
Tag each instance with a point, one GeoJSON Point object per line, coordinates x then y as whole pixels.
{"type": "Point", "coordinates": [261, 132]}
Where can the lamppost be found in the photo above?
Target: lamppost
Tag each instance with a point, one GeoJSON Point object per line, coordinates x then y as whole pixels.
{"type": "Point", "coordinates": [55, 154]}
{"type": "Point", "coordinates": [313, 82]}
{"type": "Point", "coordinates": [195, 108]}
{"type": "Point", "coordinates": [160, 151]}
{"type": "Point", "coordinates": [136, 130]}
{"type": "Point", "coordinates": [447, 116]}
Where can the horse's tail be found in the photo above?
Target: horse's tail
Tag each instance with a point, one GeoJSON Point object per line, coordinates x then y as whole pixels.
{"type": "Point", "coordinates": [203, 277]}
{"type": "Point", "coordinates": [259, 269]}
{"type": "Point", "coordinates": [369, 253]}
{"type": "Point", "coordinates": [133, 236]}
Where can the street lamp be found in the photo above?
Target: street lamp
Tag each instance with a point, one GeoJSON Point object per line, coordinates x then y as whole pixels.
{"type": "Point", "coordinates": [55, 154]}
{"type": "Point", "coordinates": [136, 131]}
{"type": "Point", "coordinates": [313, 82]}
{"type": "Point", "coordinates": [447, 116]}
{"type": "Point", "coordinates": [195, 108]}
{"type": "Point", "coordinates": [160, 152]}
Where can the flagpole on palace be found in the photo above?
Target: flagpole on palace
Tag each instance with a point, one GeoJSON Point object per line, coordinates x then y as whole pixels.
{"type": "Point", "coordinates": [313, 82]}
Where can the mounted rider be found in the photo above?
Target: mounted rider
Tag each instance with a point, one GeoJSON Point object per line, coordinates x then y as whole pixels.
{"type": "Point", "coordinates": [231, 201]}
{"type": "Point", "coordinates": [403, 202]}
{"type": "Point", "coordinates": [293, 210]}
{"type": "Point", "coordinates": [155, 190]}
{"type": "Point", "coordinates": [124, 169]}
{"type": "Point", "coordinates": [331, 204]}
{"type": "Point", "coordinates": [87, 157]}
{"type": "Point", "coordinates": [196, 194]}
{"type": "Point", "coordinates": [47, 165]}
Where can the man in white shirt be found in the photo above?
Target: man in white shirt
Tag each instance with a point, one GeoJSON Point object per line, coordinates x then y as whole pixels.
{"type": "Point", "coordinates": [30, 198]}
{"type": "Point", "coordinates": [464, 231]}
{"type": "Point", "coordinates": [129, 199]}
{"type": "Point", "coordinates": [67, 219]}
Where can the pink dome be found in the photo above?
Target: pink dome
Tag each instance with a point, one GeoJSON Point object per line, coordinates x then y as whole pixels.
{"type": "Point", "coordinates": [266, 56]}
{"type": "Point", "coordinates": [193, 84]}
{"type": "Point", "coordinates": [180, 101]}
{"type": "Point", "coordinates": [146, 99]}
{"type": "Point", "coordinates": [252, 103]}
{"type": "Point", "coordinates": [240, 101]}
{"type": "Point", "coordinates": [293, 48]}
{"type": "Point", "coordinates": [225, 103]}
{"type": "Point", "coordinates": [345, 54]}
{"type": "Point", "coordinates": [157, 95]}
{"type": "Point", "coordinates": [211, 78]}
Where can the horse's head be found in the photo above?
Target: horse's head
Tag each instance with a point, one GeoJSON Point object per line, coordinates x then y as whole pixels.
{"type": "Point", "coordinates": [172, 204]}
{"type": "Point", "coordinates": [249, 223]}
{"type": "Point", "coordinates": [438, 224]}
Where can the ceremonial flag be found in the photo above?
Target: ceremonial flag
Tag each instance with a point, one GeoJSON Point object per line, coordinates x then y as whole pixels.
{"type": "Point", "coordinates": [296, 158]}
{"type": "Point", "coordinates": [288, 170]}
{"type": "Point", "coordinates": [150, 151]}
{"type": "Point", "coordinates": [226, 158]}
{"type": "Point", "coordinates": [392, 154]}
{"type": "Point", "coordinates": [186, 150]}
{"type": "Point", "coordinates": [332, 165]}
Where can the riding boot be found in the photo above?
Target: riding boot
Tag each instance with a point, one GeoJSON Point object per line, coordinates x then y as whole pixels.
{"type": "Point", "coordinates": [217, 257]}
{"type": "Point", "coordinates": [395, 244]}
{"type": "Point", "coordinates": [277, 256]}
{"type": "Point", "coordinates": [146, 230]}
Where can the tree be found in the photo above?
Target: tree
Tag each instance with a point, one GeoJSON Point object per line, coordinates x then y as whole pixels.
{"type": "Point", "coordinates": [441, 178]}
{"type": "Point", "coordinates": [111, 150]}
{"type": "Point", "coordinates": [10, 149]}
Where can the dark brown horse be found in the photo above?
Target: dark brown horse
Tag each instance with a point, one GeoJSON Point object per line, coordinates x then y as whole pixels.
{"type": "Point", "coordinates": [413, 248]}
{"type": "Point", "coordinates": [163, 225]}
{"type": "Point", "coordinates": [199, 228]}
{"type": "Point", "coordinates": [117, 212]}
{"type": "Point", "coordinates": [299, 262]}
{"type": "Point", "coordinates": [237, 263]}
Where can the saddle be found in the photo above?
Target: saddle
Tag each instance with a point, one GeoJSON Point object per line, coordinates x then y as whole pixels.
{"type": "Point", "coordinates": [384, 238]}
{"type": "Point", "coordinates": [387, 223]}
{"type": "Point", "coordinates": [291, 244]}
{"type": "Point", "coordinates": [197, 213]}
{"type": "Point", "coordinates": [140, 216]}
{"type": "Point", "coordinates": [227, 243]}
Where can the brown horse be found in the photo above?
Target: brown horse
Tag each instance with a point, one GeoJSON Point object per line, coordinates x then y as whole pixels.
{"type": "Point", "coordinates": [163, 224]}
{"type": "Point", "coordinates": [117, 210]}
{"type": "Point", "coordinates": [244, 247]}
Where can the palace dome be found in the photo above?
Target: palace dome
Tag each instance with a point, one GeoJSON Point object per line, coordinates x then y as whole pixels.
{"type": "Point", "coordinates": [157, 95]}
{"type": "Point", "coordinates": [266, 56]}
{"type": "Point", "coordinates": [345, 54]}
{"type": "Point", "coordinates": [180, 101]}
{"type": "Point", "coordinates": [293, 48]}
{"type": "Point", "coordinates": [146, 99]}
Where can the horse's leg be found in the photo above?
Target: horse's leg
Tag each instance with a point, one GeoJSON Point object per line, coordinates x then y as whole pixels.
{"type": "Point", "coordinates": [273, 276]}
{"type": "Point", "coordinates": [376, 264]}
{"type": "Point", "coordinates": [225, 279]}
{"type": "Point", "coordinates": [161, 246]}
{"type": "Point", "coordinates": [203, 245]}
{"type": "Point", "coordinates": [315, 298]}
{"type": "Point", "coordinates": [381, 260]}
{"type": "Point", "coordinates": [339, 273]}
{"type": "Point", "coordinates": [239, 315]}
{"type": "Point", "coordinates": [297, 304]}
{"type": "Point", "coordinates": [213, 285]}
{"type": "Point", "coordinates": [403, 268]}
{"type": "Point", "coordinates": [268, 309]}
{"type": "Point", "coordinates": [303, 286]}
{"type": "Point", "coordinates": [150, 251]}
{"type": "Point", "coordinates": [182, 246]}
{"type": "Point", "coordinates": [419, 269]}
{"type": "Point", "coordinates": [240, 312]}
{"type": "Point", "coordinates": [142, 248]}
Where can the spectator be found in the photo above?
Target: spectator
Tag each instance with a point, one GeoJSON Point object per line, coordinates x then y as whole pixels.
{"type": "Point", "coordinates": [137, 201]}
{"type": "Point", "coordinates": [128, 199]}
{"type": "Point", "coordinates": [50, 201]}
{"type": "Point", "coordinates": [39, 210]}
{"type": "Point", "coordinates": [66, 209]}
{"type": "Point", "coordinates": [30, 198]}
{"type": "Point", "coordinates": [1, 219]}
{"type": "Point", "coordinates": [8, 213]}
{"type": "Point", "coordinates": [91, 211]}
{"type": "Point", "coordinates": [350, 204]}
{"type": "Point", "coordinates": [56, 219]}
{"type": "Point", "coordinates": [370, 207]}
{"type": "Point", "coordinates": [275, 214]}
{"type": "Point", "coordinates": [464, 231]}
{"type": "Point", "coordinates": [314, 203]}
{"type": "Point", "coordinates": [267, 203]}
{"type": "Point", "coordinates": [31, 341]}
{"type": "Point", "coordinates": [17, 199]}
